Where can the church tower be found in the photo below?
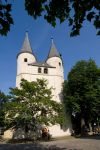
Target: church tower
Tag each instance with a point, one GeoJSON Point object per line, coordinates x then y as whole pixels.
{"type": "Point", "coordinates": [23, 59]}
{"type": "Point", "coordinates": [54, 59]}
{"type": "Point", "coordinates": [29, 68]}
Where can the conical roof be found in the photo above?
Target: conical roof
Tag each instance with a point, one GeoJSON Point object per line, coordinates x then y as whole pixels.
{"type": "Point", "coordinates": [53, 51]}
{"type": "Point", "coordinates": [26, 45]}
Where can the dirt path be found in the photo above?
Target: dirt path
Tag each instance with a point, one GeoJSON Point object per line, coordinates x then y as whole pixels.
{"type": "Point", "coordinates": [66, 144]}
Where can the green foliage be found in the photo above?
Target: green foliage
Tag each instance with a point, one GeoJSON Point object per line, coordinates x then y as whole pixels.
{"type": "Point", "coordinates": [31, 105]}
{"type": "Point", "coordinates": [3, 100]}
{"type": "Point", "coordinates": [82, 91]}
{"type": "Point", "coordinates": [74, 11]}
{"type": "Point", "coordinates": [5, 17]}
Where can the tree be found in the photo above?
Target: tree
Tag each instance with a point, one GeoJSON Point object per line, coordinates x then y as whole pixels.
{"type": "Point", "coordinates": [82, 93]}
{"type": "Point", "coordinates": [3, 100]}
{"type": "Point", "coordinates": [74, 11]}
{"type": "Point", "coordinates": [31, 105]}
{"type": "Point", "coordinates": [5, 17]}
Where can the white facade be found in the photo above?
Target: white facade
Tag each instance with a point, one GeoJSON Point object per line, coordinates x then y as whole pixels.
{"type": "Point", "coordinates": [51, 70]}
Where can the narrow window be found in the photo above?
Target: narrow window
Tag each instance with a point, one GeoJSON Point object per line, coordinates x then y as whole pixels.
{"type": "Point", "coordinates": [39, 70]}
{"type": "Point", "coordinates": [59, 64]}
{"type": "Point", "coordinates": [25, 59]}
{"type": "Point", "coordinates": [45, 70]}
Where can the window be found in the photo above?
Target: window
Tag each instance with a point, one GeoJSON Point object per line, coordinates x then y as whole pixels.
{"type": "Point", "coordinates": [45, 70]}
{"type": "Point", "coordinates": [25, 59]}
{"type": "Point", "coordinates": [59, 64]}
{"type": "Point", "coordinates": [39, 70]}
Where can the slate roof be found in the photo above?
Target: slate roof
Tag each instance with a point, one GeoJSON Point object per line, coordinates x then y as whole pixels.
{"type": "Point", "coordinates": [26, 48]}
{"type": "Point", "coordinates": [26, 45]}
{"type": "Point", "coordinates": [41, 64]}
{"type": "Point", "coordinates": [53, 51]}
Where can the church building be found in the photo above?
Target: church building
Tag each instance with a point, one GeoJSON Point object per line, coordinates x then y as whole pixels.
{"type": "Point", "coordinates": [51, 69]}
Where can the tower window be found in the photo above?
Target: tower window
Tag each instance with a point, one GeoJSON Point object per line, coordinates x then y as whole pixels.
{"type": "Point", "coordinates": [45, 70]}
{"type": "Point", "coordinates": [59, 64]}
{"type": "Point", "coordinates": [39, 70]}
{"type": "Point", "coordinates": [25, 59]}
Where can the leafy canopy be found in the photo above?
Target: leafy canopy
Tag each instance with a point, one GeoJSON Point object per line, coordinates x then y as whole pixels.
{"type": "Point", "coordinates": [3, 100]}
{"type": "Point", "coordinates": [74, 11]}
{"type": "Point", "coordinates": [5, 17]}
{"type": "Point", "coordinates": [32, 105]}
{"type": "Point", "coordinates": [82, 91]}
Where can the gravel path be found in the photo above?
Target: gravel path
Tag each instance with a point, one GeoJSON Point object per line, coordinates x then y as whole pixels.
{"type": "Point", "coordinates": [67, 144]}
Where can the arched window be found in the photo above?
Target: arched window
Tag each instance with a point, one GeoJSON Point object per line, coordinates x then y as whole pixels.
{"type": "Point", "coordinates": [45, 70]}
{"type": "Point", "coordinates": [25, 59]}
{"type": "Point", "coordinates": [39, 70]}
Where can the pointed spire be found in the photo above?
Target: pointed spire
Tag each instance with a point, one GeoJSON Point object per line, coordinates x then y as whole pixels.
{"type": "Point", "coordinates": [26, 45]}
{"type": "Point", "coordinates": [53, 51]}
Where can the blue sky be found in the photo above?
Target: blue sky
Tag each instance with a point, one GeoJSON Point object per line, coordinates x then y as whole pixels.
{"type": "Point", "coordinates": [82, 47]}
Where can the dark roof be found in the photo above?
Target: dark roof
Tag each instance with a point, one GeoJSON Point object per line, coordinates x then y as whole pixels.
{"type": "Point", "coordinates": [53, 51]}
{"type": "Point", "coordinates": [41, 64]}
{"type": "Point", "coordinates": [26, 45]}
{"type": "Point", "coordinates": [26, 48]}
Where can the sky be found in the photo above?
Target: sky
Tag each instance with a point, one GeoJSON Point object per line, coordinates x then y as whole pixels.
{"type": "Point", "coordinates": [73, 49]}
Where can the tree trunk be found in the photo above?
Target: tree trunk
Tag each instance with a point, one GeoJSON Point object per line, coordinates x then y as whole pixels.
{"type": "Point", "coordinates": [90, 127]}
{"type": "Point", "coordinates": [83, 132]}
